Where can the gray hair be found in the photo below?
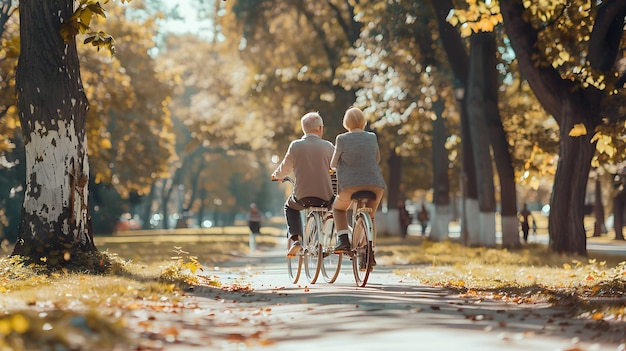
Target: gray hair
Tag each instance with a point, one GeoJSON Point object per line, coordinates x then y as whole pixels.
{"type": "Point", "coordinates": [311, 122]}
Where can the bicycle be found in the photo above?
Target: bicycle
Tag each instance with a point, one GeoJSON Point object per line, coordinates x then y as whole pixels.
{"type": "Point", "coordinates": [331, 262]}
{"type": "Point", "coordinates": [363, 237]}
{"type": "Point", "coordinates": [317, 243]}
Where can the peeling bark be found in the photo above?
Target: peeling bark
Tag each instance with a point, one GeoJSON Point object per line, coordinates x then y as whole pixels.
{"type": "Point", "coordinates": [52, 107]}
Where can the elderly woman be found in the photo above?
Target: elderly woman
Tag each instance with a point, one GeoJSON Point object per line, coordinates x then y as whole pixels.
{"type": "Point", "coordinates": [355, 159]}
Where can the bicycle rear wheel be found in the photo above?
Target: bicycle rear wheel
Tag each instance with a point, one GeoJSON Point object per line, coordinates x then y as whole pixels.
{"type": "Point", "coordinates": [294, 264]}
{"type": "Point", "coordinates": [362, 249]}
{"type": "Point", "coordinates": [312, 247]}
{"type": "Point", "coordinates": [331, 262]}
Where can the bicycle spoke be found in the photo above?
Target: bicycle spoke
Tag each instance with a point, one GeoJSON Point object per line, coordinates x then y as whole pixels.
{"type": "Point", "coordinates": [363, 251]}
{"type": "Point", "coordinates": [294, 265]}
{"type": "Point", "coordinates": [331, 262]}
{"type": "Point", "coordinates": [312, 248]}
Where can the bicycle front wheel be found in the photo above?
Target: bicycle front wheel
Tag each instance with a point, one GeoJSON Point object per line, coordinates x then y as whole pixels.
{"type": "Point", "coordinates": [294, 265]}
{"type": "Point", "coordinates": [331, 262]}
{"type": "Point", "coordinates": [312, 247]}
{"type": "Point", "coordinates": [362, 247]}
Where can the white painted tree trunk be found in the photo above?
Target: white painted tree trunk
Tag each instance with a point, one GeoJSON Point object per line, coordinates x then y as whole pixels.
{"type": "Point", "coordinates": [440, 222]}
{"type": "Point", "coordinates": [487, 229]}
{"type": "Point", "coordinates": [57, 190]}
{"type": "Point", "coordinates": [510, 232]}
{"type": "Point", "coordinates": [472, 222]}
{"type": "Point", "coordinates": [392, 226]}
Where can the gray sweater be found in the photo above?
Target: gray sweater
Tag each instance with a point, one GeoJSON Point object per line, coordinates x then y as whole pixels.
{"type": "Point", "coordinates": [356, 160]}
{"type": "Point", "coordinates": [308, 159]}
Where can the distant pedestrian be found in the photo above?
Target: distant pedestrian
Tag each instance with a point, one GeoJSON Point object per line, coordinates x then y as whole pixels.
{"type": "Point", "coordinates": [422, 217]}
{"type": "Point", "coordinates": [254, 223]}
{"type": "Point", "coordinates": [523, 215]}
{"type": "Point", "coordinates": [404, 217]}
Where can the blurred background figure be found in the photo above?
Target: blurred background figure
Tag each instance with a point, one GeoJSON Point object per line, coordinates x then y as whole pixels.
{"type": "Point", "coordinates": [524, 214]}
{"type": "Point", "coordinates": [254, 223]}
{"type": "Point", "coordinates": [404, 217]}
{"type": "Point", "coordinates": [422, 217]}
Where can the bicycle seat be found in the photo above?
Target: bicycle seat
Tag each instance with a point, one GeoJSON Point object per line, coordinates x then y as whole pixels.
{"type": "Point", "coordinates": [312, 201]}
{"type": "Point", "coordinates": [363, 194]}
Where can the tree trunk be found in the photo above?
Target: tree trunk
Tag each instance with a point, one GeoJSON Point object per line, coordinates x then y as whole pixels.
{"type": "Point", "coordinates": [393, 192]}
{"type": "Point", "coordinates": [598, 210]}
{"type": "Point", "coordinates": [566, 227]}
{"type": "Point", "coordinates": [395, 173]}
{"type": "Point", "coordinates": [441, 216]}
{"type": "Point", "coordinates": [147, 209]}
{"type": "Point", "coordinates": [480, 52]}
{"type": "Point", "coordinates": [619, 201]}
{"type": "Point", "coordinates": [459, 62]}
{"type": "Point", "coordinates": [52, 106]}
{"type": "Point", "coordinates": [569, 104]}
{"type": "Point", "coordinates": [501, 153]}
{"type": "Point", "coordinates": [618, 219]}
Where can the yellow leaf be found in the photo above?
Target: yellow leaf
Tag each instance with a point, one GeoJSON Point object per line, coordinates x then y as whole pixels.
{"type": "Point", "coordinates": [466, 31]}
{"type": "Point", "coordinates": [5, 327]}
{"type": "Point", "coordinates": [579, 129]}
{"type": "Point", "coordinates": [453, 20]}
{"type": "Point", "coordinates": [19, 323]}
{"type": "Point", "coordinates": [595, 162]}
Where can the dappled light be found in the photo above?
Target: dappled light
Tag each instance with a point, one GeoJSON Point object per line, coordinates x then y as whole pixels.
{"type": "Point", "coordinates": [136, 135]}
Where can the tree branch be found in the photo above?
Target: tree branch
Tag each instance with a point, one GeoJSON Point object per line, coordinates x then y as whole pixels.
{"type": "Point", "coordinates": [452, 43]}
{"type": "Point", "coordinates": [607, 33]}
{"type": "Point", "coordinates": [351, 30]}
{"type": "Point", "coordinates": [546, 83]}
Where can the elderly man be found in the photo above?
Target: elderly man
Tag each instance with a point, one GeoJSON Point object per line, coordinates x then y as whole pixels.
{"type": "Point", "coordinates": [308, 160]}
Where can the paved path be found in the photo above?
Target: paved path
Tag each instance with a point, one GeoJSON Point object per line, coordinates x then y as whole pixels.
{"type": "Point", "coordinates": [259, 309]}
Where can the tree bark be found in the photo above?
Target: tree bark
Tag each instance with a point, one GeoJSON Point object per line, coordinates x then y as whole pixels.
{"type": "Point", "coordinates": [459, 62]}
{"type": "Point", "coordinates": [395, 174]}
{"type": "Point", "coordinates": [393, 191]}
{"type": "Point", "coordinates": [566, 227]}
{"type": "Point", "coordinates": [618, 220]}
{"type": "Point", "coordinates": [569, 104]}
{"type": "Point", "coordinates": [480, 52]}
{"type": "Point", "coordinates": [619, 201]}
{"type": "Point", "coordinates": [500, 148]}
{"type": "Point", "coordinates": [55, 224]}
{"type": "Point", "coordinates": [441, 216]}
{"type": "Point", "coordinates": [598, 209]}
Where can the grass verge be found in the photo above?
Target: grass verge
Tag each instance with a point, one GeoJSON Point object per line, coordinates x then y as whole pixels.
{"type": "Point", "coordinates": [69, 310]}
{"type": "Point", "coordinates": [593, 287]}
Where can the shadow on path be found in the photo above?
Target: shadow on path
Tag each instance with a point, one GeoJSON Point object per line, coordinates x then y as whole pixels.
{"type": "Point", "coordinates": [258, 307]}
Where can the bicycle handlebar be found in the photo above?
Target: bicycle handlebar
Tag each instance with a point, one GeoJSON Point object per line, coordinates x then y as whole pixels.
{"type": "Point", "coordinates": [286, 179]}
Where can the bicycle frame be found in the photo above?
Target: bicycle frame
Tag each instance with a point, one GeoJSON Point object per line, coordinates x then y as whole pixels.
{"type": "Point", "coordinates": [363, 237]}
{"type": "Point", "coordinates": [314, 243]}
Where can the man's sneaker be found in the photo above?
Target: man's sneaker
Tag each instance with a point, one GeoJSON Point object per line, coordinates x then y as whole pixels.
{"type": "Point", "coordinates": [294, 249]}
{"type": "Point", "coordinates": [343, 245]}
